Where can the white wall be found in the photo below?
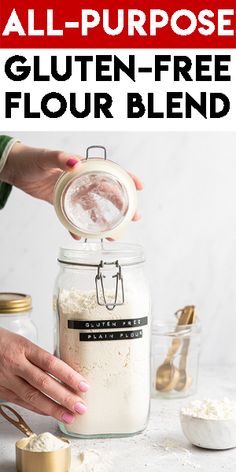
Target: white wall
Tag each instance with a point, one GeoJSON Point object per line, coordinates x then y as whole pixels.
{"type": "Point", "coordinates": [188, 229]}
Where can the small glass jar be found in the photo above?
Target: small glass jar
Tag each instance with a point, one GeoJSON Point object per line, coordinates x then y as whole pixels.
{"type": "Point", "coordinates": [15, 314]}
{"type": "Point", "coordinates": [175, 359]}
{"type": "Point", "coordinates": [102, 330]}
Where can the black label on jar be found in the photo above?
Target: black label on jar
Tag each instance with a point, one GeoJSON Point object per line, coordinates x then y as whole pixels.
{"type": "Point", "coordinates": [111, 335]}
{"type": "Point", "coordinates": [108, 324]}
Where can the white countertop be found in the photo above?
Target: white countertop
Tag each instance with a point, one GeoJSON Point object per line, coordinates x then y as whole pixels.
{"type": "Point", "coordinates": [161, 447]}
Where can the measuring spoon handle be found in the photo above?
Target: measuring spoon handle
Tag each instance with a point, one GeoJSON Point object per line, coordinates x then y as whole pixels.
{"type": "Point", "coordinates": [19, 423]}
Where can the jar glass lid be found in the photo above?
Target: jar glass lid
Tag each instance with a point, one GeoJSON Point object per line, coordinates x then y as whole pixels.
{"type": "Point", "coordinates": [95, 200]}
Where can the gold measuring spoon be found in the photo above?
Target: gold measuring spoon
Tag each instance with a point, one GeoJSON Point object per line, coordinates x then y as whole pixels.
{"type": "Point", "coordinates": [167, 375]}
{"type": "Point", "coordinates": [36, 461]}
{"type": "Point", "coordinates": [19, 423]}
{"type": "Point", "coordinates": [184, 380]}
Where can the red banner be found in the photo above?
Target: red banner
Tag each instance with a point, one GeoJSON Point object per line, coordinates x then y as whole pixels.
{"type": "Point", "coordinates": [120, 24]}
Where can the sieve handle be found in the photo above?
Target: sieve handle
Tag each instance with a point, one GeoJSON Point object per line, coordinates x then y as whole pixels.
{"type": "Point", "coordinates": [19, 423]}
{"type": "Point", "coordinates": [96, 147]}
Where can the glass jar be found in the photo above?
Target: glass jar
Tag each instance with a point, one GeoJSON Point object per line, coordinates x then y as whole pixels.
{"type": "Point", "coordinates": [175, 359]}
{"type": "Point", "coordinates": [15, 314]}
{"type": "Point", "coordinates": [102, 313]}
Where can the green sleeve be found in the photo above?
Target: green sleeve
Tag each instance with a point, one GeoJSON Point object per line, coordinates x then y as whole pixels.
{"type": "Point", "coordinates": [5, 189]}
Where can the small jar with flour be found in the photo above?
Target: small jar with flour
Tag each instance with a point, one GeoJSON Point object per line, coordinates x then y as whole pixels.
{"type": "Point", "coordinates": [102, 302]}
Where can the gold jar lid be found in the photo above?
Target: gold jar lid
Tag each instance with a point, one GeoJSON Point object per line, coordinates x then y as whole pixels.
{"type": "Point", "coordinates": [11, 303]}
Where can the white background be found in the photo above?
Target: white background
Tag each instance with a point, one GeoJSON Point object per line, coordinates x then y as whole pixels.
{"type": "Point", "coordinates": [188, 229]}
{"type": "Point", "coordinates": [118, 90]}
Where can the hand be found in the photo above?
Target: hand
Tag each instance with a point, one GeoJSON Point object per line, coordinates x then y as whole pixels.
{"type": "Point", "coordinates": [36, 171]}
{"type": "Point", "coordinates": [26, 379]}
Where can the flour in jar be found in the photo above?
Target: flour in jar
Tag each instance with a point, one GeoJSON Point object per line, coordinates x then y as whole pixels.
{"type": "Point", "coordinates": [117, 370]}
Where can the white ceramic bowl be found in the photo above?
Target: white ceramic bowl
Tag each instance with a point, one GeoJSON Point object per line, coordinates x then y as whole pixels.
{"type": "Point", "coordinates": [209, 434]}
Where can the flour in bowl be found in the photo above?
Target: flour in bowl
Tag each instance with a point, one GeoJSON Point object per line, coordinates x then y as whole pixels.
{"type": "Point", "coordinates": [210, 409]}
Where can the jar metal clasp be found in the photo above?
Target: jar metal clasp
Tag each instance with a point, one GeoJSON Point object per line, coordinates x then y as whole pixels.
{"type": "Point", "coordinates": [119, 286]}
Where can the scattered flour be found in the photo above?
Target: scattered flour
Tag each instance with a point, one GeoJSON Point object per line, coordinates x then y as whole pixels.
{"type": "Point", "coordinates": [169, 445]}
{"type": "Point", "coordinates": [90, 461]}
{"type": "Point", "coordinates": [45, 442]}
{"type": "Point", "coordinates": [210, 409]}
{"type": "Point", "coordinates": [180, 453]}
